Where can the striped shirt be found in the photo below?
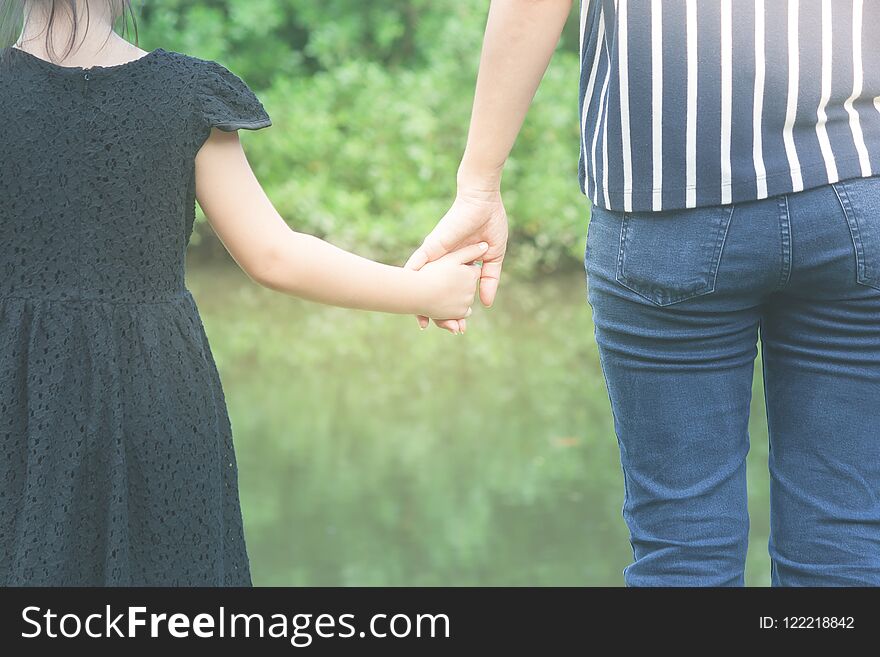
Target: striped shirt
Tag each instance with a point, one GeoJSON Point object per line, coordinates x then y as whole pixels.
{"type": "Point", "coordinates": [688, 103]}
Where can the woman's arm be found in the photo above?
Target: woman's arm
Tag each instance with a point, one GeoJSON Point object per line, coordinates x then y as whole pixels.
{"type": "Point", "coordinates": [520, 38]}
{"type": "Point", "coordinates": [282, 259]}
{"type": "Point", "coordinates": [519, 41]}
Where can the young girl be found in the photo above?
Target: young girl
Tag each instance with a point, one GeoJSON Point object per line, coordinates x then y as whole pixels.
{"type": "Point", "coordinates": [116, 456]}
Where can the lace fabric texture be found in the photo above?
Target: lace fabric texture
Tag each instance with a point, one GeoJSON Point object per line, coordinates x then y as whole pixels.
{"type": "Point", "coordinates": [117, 464]}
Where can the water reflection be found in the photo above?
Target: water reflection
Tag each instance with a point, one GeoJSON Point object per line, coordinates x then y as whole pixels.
{"type": "Point", "coordinates": [371, 453]}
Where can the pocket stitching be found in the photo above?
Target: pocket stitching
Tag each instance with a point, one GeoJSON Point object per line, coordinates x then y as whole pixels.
{"type": "Point", "coordinates": [715, 262]}
{"type": "Point", "coordinates": [863, 276]}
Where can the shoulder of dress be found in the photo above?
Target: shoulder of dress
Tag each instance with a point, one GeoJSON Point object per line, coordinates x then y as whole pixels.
{"type": "Point", "coordinates": [189, 62]}
{"type": "Point", "coordinates": [170, 63]}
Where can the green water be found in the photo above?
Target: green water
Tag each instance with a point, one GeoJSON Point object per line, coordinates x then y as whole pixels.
{"type": "Point", "coordinates": [371, 453]}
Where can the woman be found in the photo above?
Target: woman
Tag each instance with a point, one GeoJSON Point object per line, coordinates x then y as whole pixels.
{"type": "Point", "coordinates": [728, 151]}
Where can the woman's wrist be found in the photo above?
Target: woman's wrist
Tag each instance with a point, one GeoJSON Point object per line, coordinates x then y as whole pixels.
{"type": "Point", "coordinates": [478, 178]}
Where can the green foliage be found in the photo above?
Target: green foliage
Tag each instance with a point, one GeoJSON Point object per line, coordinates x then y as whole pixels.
{"type": "Point", "coordinates": [370, 103]}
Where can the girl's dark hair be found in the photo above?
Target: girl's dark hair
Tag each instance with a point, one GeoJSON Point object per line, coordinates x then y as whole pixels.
{"type": "Point", "coordinates": [12, 20]}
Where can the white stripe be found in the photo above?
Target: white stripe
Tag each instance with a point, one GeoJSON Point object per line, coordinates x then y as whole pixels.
{"type": "Point", "coordinates": [657, 103]}
{"type": "Point", "coordinates": [854, 124]}
{"type": "Point", "coordinates": [726, 97]}
{"type": "Point", "coordinates": [605, 136]}
{"type": "Point", "coordinates": [588, 97]}
{"type": "Point", "coordinates": [691, 147]}
{"type": "Point", "coordinates": [794, 165]}
{"type": "Point", "coordinates": [623, 78]}
{"type": "Point", "coordinates": [758, 103]}
{"type": "Point", "coordinates": [821, 130]}
{"type": "Point", "coordinates": [585, 8]}
{"type": "Point", "coordinates": [600, 117]}
{"type": "Point", "coordinates": [605, 157]}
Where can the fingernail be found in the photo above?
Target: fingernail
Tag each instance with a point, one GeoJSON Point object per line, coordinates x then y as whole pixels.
{"type": "Point", "coordinates": [484, 246]}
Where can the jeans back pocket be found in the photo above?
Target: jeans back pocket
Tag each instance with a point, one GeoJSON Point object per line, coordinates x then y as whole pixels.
{"type": "Point", "coordinates": [860, 200]}
{"type": "Point", "coordinates": [669, 256]}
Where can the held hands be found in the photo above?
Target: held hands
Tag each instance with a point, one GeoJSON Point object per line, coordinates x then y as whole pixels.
{"type": "Point", "coordinates": [476, 215]}
{"type": "Point", "coordinates": [450, 283]}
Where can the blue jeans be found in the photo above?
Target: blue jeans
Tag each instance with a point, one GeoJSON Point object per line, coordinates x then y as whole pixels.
{"type": "Point", "coordinates": [678, 298]}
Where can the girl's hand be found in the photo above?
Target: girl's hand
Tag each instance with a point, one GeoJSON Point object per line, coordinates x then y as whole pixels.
{"type": "Point", "coordinates": [477, 215]}
{"type": "Point", "coordinates": [450, 283]}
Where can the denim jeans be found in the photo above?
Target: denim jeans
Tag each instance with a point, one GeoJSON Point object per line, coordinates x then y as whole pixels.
{"type": "Point", "coordinates": [679, 298]}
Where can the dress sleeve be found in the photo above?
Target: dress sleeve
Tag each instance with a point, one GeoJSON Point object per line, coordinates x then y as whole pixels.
{"type": "Point", "coordinates": [226, 102]}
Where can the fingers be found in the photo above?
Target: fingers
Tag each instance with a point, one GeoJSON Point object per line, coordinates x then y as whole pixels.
{"type": "Point", "coordinates": [468, 254]}
{"type": "Point", "coordinates": [431, 249]}
{"type": "Point", "coordinates": [455, 326]}
{"type": "Point", "coordinates": [417, 260]}
{"type": "Point", "coordinates": [490, 276]}
{"type": "Point", "coordinates": [420, 257]}
{"type": "Point", "coordinates": [450, 325]}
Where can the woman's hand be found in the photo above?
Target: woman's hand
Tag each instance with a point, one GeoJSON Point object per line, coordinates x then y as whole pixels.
{"type": "Point", "coordinates": [476, 215]}
{"type": "Point", "coordinates": [518, 44]}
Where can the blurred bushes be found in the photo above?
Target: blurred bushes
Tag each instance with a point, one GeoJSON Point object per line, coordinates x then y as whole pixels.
{"type": "Point", "coordinates": [370, 103]}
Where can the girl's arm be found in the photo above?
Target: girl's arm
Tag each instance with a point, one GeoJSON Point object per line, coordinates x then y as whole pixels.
{"type": "Point", "coordinates": [277, 257]}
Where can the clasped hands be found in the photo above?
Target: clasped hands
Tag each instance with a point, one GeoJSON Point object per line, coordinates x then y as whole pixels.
{"type": "Point", "coordinates": [475, 216]}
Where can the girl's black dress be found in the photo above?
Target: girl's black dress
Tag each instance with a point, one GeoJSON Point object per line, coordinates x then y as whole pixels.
{"type": "Point", "coordinates": [116, 456]}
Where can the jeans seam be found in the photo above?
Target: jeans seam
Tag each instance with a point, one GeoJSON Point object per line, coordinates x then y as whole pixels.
{"type": "Point", "coordinates": [719, 247]}
{"type": "Point", "coordinates": [785, 241]}
{"type": "Point", "coordinates": [855, 234]}
{"type": "Point", "coordinates": [770, 536]}
{"type": "Point", "coordinates": [624, 511]}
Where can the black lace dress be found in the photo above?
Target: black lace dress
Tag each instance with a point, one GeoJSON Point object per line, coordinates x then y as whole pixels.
{"type": "Point", "coordinates": [116, 457]}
